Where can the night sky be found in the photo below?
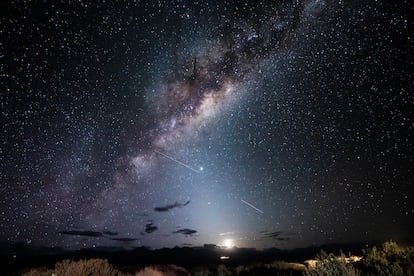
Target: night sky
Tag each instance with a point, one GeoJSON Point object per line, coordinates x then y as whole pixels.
{"type": "Point", "coordinates": [179, 123]}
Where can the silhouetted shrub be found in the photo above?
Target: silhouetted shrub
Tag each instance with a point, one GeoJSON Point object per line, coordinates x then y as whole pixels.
{"type": "Point", "coordinates": [201, 271]}
{"type": "Point", "coordinates": [223, 271]}
{"type": "Point", "coordinates": [40, 271]}
{"type": "Point", "coordinates": [389, 259]}
{"type": "Point", "coordinates": [91, 267]}
{"type": "Point", "coordinates": [331, 265]}
{"type": "Point", "coordinates": [148, 271]}
{"type": "Point", "coordinates": [281, 266]}
{"type": "Point", "coordinates": [163, 270]}
{"type": "Point", "coordinates": [275, 268]}
{"type": "Point", "coordinates": [212, 270]}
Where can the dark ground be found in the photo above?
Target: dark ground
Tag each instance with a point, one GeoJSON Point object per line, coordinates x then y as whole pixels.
{"type": "Point", "coordinates": [17, 257]}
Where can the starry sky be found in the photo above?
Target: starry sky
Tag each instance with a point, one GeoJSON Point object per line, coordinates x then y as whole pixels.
{"type": "Point", "coordinates": [283, 123]}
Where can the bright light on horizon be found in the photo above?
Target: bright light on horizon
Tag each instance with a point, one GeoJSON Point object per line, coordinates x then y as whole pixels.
{"type": "Point", "coordinates": [228, 243]}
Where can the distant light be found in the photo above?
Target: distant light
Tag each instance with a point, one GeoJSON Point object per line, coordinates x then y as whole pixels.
{"type": "Point", "coordinates": [224, 257]}
{"type": "Point", "coordinates": [228, 243]}
{"type": "Point", "coordinates": [201, 168]}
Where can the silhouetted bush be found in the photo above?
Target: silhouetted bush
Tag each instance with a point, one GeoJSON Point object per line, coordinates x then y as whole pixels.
{"type": "Point", "coordinates": [163, 270]}
{"type": "Point", "coordinates": [275, 268]}
{"type": "Point", "coordinates": [91, 267]}
{"type": "Point", "coordinates": [41, 271]}
{"type": "Point", "coordinates": [148, 271]}
{"type": "Point", "coordinates": [331, 265]}
{"type": "Point", "coordinates": [212, 270]}
{"type": "Point", "coordinates": [389, 259]}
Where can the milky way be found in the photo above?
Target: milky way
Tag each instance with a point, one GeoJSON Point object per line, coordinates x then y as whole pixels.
{"type": "Point", "coordinates": [189, 101]}
{"type": "Point", "coordinates": [163, 123]}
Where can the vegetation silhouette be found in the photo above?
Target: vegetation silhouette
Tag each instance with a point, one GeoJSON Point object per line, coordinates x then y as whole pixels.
{"type": "Point", "coordinates": [387, 259]}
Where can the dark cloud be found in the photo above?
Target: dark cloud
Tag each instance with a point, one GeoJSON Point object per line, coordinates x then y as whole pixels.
{"type": "Point", "coordinates": [277, 235]}
{"type": "Point", "coordinates": [88, 233]}
{"type": "Point", "coordinates": [82, 233]}
{"type": "Point", "coordinates": [110, 233]}
{"type": "Point", "coordinates": [273, 235]}
{"type": "Point", "coordinates": [124, 239]}
{"type": "Point", "coordinates": [150, 227]}
{"type": "Point", "coordinates": [283, 239]}
{"type": "Point", "coordinates": [185, 231]}
{"type": "Point", "coordinates": [166, 208]}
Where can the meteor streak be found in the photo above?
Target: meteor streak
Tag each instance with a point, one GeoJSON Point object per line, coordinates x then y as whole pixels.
{"type": "Point", "coordinates": [177, 161]}
{"type": "Point", "coordinates": [251, 205]}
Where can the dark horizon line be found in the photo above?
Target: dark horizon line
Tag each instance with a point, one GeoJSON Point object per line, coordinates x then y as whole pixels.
{"type": "Point", "coordinates": [10, 248]}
